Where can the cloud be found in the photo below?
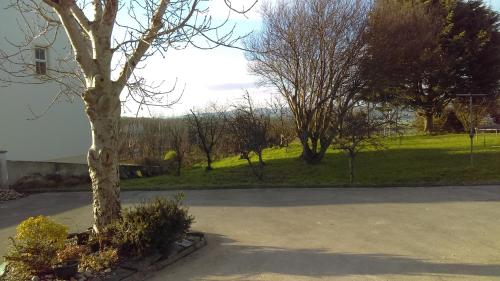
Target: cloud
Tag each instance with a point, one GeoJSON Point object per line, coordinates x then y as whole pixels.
{"type": "Point", "coordinates": [232, 86]}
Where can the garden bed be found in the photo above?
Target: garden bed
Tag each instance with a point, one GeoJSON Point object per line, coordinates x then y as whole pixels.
{"type": "Point", "coordinates": [146, 238]}
{"type": "Point", "coordinates": [140, 269]}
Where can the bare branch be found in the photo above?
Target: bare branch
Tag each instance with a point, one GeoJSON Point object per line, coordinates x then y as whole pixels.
{"type": "Point", "coordinates": [310, 52]}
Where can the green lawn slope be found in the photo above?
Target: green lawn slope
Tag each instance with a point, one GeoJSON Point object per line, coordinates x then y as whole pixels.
{"type": "Point", "coordinates": [409, 161]}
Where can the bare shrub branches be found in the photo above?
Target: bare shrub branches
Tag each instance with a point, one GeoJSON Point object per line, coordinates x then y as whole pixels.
{"type": "Point", "coordinates": [356, 132]}
{"type": "Point", "coordinates": [250, 132]}
{"type": "Point", "coordinates": [206, 129]}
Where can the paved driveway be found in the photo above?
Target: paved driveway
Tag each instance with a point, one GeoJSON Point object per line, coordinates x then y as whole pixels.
{"type": "Point", "coordinates": [439, 233]}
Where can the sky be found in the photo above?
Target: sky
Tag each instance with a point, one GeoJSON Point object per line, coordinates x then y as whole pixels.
{"type": "Point", "coordinates": [495, 4]}
{"type": "Point", "coordinates": [205, 76]}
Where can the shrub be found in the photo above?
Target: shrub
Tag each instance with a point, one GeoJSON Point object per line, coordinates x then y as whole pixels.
{"type": "Point", "coordinates": [170, 161]}
{"type": "Point", "coordinates": [100, 260]}
{"type": "Point", "coordinates": [42, 230]}
{"type": "Point", "coordinates": [16, 272]}
{"type": "Point", "coordinates": [71, 253]}
{"type": "Point", "coordinates": [452, 123]}
{"type": "Point", "coordinates": [170, 155]}
{"type": "Point", "coordinates": [150, 226]}
{"type": "Point", "coordinates": [34, 249]}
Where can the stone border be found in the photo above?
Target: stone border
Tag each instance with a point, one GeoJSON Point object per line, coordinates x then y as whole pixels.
{"type": "Point", "coordinates": [9, 194]}
{"type": "Point", "coordinates": [141, 269]}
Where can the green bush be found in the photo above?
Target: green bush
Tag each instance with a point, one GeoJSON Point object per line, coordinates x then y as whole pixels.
{"type": "Point", "coordinates": [151, 226]}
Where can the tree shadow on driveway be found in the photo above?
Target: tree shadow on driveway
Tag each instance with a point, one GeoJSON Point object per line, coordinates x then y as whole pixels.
{"type": "Point", "coordinates": [51, 204]}
{"type": "Point", "coordinates": [48, 204]}
{"type": "Point", "coordinates": [226, 259]}
{"type": "Point", "coordinates": [292, 197]}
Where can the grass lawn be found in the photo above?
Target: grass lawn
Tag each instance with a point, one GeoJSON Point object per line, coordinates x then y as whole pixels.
{"type": "Point", "coordinates": [417, 160]}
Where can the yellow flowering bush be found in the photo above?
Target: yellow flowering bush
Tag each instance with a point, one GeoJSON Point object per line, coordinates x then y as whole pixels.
{"type": "Point", "coordinates": [41, 229]}
{"type": "Point", "coordinates": [35, 246]}
{"type": "Point", "coordinates": [170, 155]}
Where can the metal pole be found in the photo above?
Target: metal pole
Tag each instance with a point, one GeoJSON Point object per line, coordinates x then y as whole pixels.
{"type": "Point", "coordinates": [471, 122]}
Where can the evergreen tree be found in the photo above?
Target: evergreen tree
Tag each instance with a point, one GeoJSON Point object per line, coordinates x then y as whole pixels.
{"type": "Point", "coordinates": [422, 53]}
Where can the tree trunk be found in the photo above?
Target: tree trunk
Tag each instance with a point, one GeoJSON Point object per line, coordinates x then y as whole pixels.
{"type": "Point", "coordinates": [179, 166]}
{"type": "Point", "coordinates": [429, 122]}
{"type": "Point", "coordinates": [102, 158]}
{"type": "Point", "coordinates": [310, 152]}
{"type": "Point", "coordinates": [351, 167]}
{"type": "Point", "coordinates": [260, 171]}
{"type": "Point", "coordinates": [257, 171]}
{"type": "Point", "coordinates": [209, 161]}
{"type": "Point", "coordinates": [261, 161]}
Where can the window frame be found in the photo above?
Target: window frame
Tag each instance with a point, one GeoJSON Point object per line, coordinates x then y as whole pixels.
{"type": "Point", "coordinates": [38, 61]}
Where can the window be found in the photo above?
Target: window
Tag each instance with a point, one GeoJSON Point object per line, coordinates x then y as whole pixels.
{"type": "Point", "coordinates": [40, 60]}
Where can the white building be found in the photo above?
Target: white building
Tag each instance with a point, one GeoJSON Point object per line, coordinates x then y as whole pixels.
{"type": "Point", "coordinates": [60, 134]}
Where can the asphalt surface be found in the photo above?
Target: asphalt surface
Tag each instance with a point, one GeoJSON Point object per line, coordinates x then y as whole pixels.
{"type": "Point", "coordinates": [438, 233]}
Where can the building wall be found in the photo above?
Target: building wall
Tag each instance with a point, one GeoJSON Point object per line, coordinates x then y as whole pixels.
{"type": "Point", "coordinates": [63, 131]}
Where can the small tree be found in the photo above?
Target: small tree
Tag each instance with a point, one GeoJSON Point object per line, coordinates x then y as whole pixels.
{"type": "Point", "coordinates": [179, 143]}
{"type": "Point", "coordinates": [357, 132]}
{"type": "Point", "coordinates": [480, 110]}
{"type": "Point", "coordinates": [391, 119]}
{"type": "Point", "coordinates": [250, 131]}
{"type": "Point", "coordinates": [206, 129]}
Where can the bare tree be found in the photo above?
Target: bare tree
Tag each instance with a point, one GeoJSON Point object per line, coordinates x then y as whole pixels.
{"type": "Point", "coordinates": [110, 40]}
{"type": "Point", "coordinates": [206, 129]}
{"type": "Point", "coordinates": [250, 129]}
{"type": "Point", "coordinates": [282, 126]}
{"type": "Point", "coordinates": [392, 118]}
{"type": "Point", "coordinates": [144, 140]}
{"type": "Point", "coordinates": [356, 133]}
{"type": "Point", "coordinates": [179, 143]}
{"type": "Point", "coordinates": [309, 51]}
{"type": "Point", "coordinates": [480, 109]}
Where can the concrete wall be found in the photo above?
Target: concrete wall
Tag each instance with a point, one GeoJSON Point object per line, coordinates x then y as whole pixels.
{"type": "Point", "coordinates": [30, 176]}
{"type": "Point", "coordinates": [64, 130]}
{"type": "Point", "coordinates": [4, 176]}
{"type": "Point", "coordinates": [19, 169]}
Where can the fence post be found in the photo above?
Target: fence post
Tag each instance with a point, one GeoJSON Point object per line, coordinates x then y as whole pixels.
{"type": "Point", "coordinates": [4, 176]}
